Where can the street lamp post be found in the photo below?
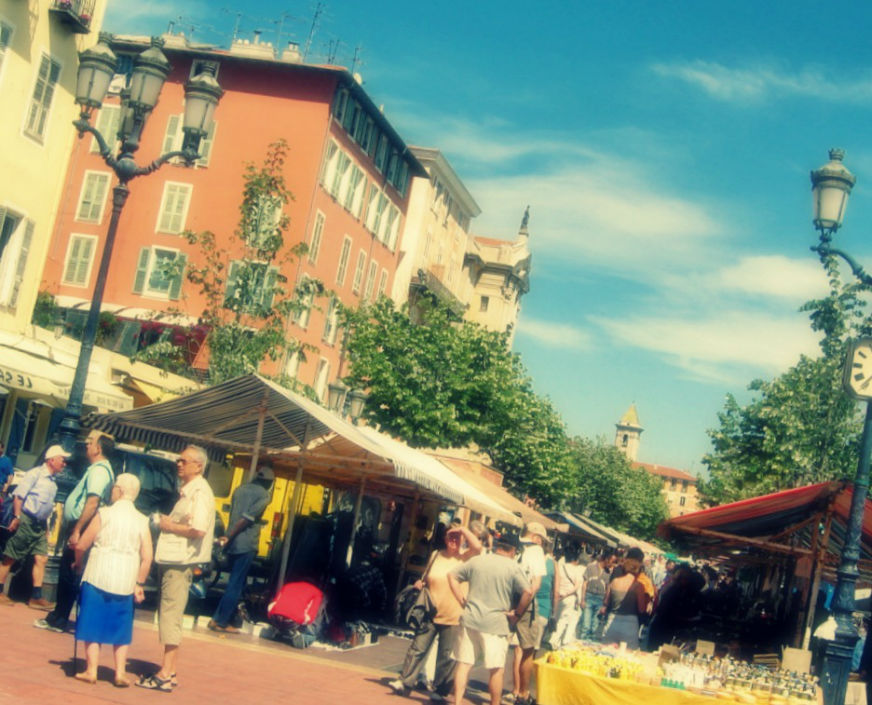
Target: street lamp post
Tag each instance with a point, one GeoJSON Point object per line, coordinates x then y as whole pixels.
{"type": "Point", "coordinates": [150, 70]}
{"type": "Point", "coordinates": [831, 186]}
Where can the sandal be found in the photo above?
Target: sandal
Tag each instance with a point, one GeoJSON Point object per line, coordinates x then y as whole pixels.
{"type": "Point", "coordinates": [154, 682]}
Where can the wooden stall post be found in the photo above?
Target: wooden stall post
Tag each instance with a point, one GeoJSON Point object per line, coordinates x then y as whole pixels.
{"type": "Point", "coordinates": [258, 437]}
{"type": "Point", "coordinates": [816, 582]}
{"type": "Point", "coordinates": [292, 515]}
{"type": "Point", "coordinates": [357, 504]}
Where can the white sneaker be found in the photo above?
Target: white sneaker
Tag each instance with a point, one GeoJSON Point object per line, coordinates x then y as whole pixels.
{"type": "Point", "coordinates": [398, 687]}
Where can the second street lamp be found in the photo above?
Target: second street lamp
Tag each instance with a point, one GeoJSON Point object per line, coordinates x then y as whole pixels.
{"type": "Point", "coordinates": [831, 186]}
{"type": "Point", "coordinates": [151, 69]}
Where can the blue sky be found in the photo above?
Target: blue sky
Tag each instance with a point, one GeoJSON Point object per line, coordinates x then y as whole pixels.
{"type": "Point", "coordinates": [664, 149]}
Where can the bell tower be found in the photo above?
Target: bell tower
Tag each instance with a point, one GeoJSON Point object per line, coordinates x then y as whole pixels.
{"type": "Point", "coordinates": [629, 433]}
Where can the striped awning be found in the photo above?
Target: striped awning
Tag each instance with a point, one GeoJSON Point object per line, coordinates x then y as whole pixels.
{"type": "Point", "coordinates": [293, 429]}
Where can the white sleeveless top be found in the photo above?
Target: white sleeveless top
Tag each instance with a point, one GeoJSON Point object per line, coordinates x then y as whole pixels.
{"type": "Point", "coordinates": [114, 560]}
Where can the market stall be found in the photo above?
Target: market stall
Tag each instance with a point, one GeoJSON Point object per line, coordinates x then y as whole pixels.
{"type": "Point", "coordinates": [794, 537]}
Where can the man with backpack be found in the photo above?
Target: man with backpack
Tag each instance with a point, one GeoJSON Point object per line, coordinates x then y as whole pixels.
{"type": "Point", "coordinates": [32, 505]}
{"type": "Point", "coordinates": [92, 490]}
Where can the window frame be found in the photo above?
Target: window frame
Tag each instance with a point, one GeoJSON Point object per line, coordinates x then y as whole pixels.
{"type": "Point", "coordinates": [163, 205]}
{"type": "Point", "coordinates": [38, 110]}
{"type": "Point", "coordinates": [359, 269]}
{"type": "Point", "coordinates": [94, 240]}
{"type": "Point", "coordinates": [107, 176]}
{"type": "Point", "coordinates": [5, 47]}
{"type": "Point", "coordinates": [344, 257]}
{"type": "Point", "coordinates": [316, 237]}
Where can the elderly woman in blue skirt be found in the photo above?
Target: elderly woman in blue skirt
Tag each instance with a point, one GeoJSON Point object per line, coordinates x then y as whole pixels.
{"type": "Point", "coordinates": [115, 572]}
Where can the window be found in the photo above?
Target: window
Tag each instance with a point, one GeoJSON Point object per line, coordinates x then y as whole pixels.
{"type": "Point", "coordinates": [339, 186]}
{"type": "Point", "coordinates": [340, 104]}
{"type": "Point", "coordinates": [159, 273]}
{"type": "Point", "coordinates": [383, 282]}
{"type": "Point", "coordinates": [16, 234]}
{"type": "Point", "coordinates": [174, 207]}
{"type": "Point", "coordinates": [40, 102]}
{"type": "Point", "coordinates": [315, 240]}
{"type": "Point", "coordinates": [343, 261]}
{"type": "Point", "coordinates": [331, 321]}
{"type": "Point", "coordinates": [402, 179]}
{"type": "Point", "coordinates": [370, 279]}
{"type": "Point", "coordinates": [378, 204]}
{"type": "Point", "coordinates": [625, 439]}
{"type": "Point", "coordinates": [365, 134]}
{"type": "Point", "coordinates": [320, 383]}
{"type": "Point", "coordinates": [389, 226]}
{"type": "Point", "coordinates": [328, 170]}
{"type": "Point", "coordinates": [393, 165]}
{"type": "Point", "coordinates": [305, 297]}
{"type": "Point", "coordinates": [175, 136]}
{"type": "Point", "coordinates": [381, 153]}
{"type": "Point", "coordinates": [263, 222]}
{"type": "Point", "coordinates": [681, 501]}
{"type": "Point", "coordinates": [293, 366]}
{"type": "Point", "coordinates": [250, 286]}
{"type": "Point", "coordinates": [353, 200]}
{"type": "Point", "coordinates": [92, 199]}
{"type": "Point", "coordinates": [5, 41]}
{"type": "Point", "coordinates": [485, 300]}
{"type": "Point", "coordinates": [684, 485]}
{"type": "Point", "coordinates": [358, 272]}
{"type": "Point", "coordinates": [108, 122]}
{"type": "Point", "coordinates": [80, 257]}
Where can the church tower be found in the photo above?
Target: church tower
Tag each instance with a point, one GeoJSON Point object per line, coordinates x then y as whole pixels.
{"type": "Point", "coordinates": [628, 434]}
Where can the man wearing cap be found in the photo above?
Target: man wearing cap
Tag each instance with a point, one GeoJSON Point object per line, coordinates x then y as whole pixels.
{"type": "Point", "coordinates": [489, 608]}
{"type": "Point", "coordinates": [240, 544]}
{"type": "Point", "coordinates": [33, 503]}
{"type": "Point", "coordinates": [532, 623]}
{"type": "Point", "coordinates": [92, 490]}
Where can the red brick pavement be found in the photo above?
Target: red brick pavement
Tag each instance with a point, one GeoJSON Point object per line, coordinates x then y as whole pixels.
{"type": "Point", "coordinates": [35, 667]}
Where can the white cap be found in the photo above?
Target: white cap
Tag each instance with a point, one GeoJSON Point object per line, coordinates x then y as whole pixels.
{"type": "Point", "coordinates": [55, 451]}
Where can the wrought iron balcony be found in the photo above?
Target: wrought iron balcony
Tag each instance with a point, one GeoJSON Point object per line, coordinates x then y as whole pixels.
{"type": "Point", "coordinates": [76, 14]}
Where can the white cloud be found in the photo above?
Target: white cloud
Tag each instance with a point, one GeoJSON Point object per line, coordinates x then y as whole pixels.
{"type": "Point", "coordinates": [554, 335]}
{"type": "Point", "coordinates": [129, 15]}
{"type": "Point", "coordinates": [719, 346]}
{"type": "Point", "coordinates": [752, 84]}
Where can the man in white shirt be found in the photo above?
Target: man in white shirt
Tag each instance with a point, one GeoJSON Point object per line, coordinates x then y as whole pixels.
{"type": "Point", "coordinates": [185, 540]}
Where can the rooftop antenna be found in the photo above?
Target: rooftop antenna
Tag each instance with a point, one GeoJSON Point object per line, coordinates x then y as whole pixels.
{"type": "Point", "coordinates": [332, 50]}
{"type": "Point", "coordinates": [281, 25]}
{"type": "Point", "coordinates": [316, 15]}
{"type": "Point", "coordinates": [356, 59]}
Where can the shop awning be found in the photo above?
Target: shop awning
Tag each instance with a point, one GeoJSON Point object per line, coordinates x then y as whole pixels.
{"type": "Point", "coordinates": [764, 523]}
{"type": "Point", "coordinates": [469, 471]}
{"type": "Point", "coordinates": [234, 415]}
{"type": "Point", "coordinates": [30, 367]}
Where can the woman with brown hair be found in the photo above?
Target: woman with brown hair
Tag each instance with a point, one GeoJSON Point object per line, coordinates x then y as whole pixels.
{"type": "Point", "coordinates": [627, 600]}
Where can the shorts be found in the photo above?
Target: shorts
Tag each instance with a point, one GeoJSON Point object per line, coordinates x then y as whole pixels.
{"type": "Point", "coordinates": [28, 540]}
{"type": "Point", "coordinates": [175, 581]}
{"type": "Point", "coordinates": [473, 646]}
{"type": "Point", "coordinates": [530, 629]}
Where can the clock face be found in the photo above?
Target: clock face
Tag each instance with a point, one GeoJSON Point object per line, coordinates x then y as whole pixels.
{"type": "Point", "coordinates": [858, 369]}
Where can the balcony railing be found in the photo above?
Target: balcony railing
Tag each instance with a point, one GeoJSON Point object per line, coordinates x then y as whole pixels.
{"type": "Point", "coordinates": [76, 14]}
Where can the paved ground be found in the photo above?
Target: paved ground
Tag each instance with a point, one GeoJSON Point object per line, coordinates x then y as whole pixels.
{"type": "Point", "coordinates": [36, 667]}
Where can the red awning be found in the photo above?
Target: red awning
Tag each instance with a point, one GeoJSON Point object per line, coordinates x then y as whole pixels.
{"type": "Point", "coordinates": [767, 516]}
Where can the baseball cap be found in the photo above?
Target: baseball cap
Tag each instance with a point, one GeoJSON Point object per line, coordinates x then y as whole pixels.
{"type": "Point", "coordinates": [536, 529]}
{"type": "Point", "coordinates": [55, 451]}
{"type": "Point", "coordinates": [265, 472]}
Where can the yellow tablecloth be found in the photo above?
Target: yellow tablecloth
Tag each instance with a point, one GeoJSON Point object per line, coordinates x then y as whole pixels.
{"type": "Point", "coordinates": [561, 686]}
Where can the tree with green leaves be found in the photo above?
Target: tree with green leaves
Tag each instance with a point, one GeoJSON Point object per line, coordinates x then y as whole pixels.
{"type": "Point", "coordinates": [800, 427]}
{"type": "Point", "coordinates": [441, 381]}
{"type": "Point", "coordinates": [611, 491]}
{"type": "Point", "coordinates": [247, 302]}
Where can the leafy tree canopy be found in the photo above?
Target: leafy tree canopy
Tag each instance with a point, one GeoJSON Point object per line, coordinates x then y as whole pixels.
{"type": "Point", "coordinates": [247, 301]}
{"type": "Point", "coordinates": [800, 427]}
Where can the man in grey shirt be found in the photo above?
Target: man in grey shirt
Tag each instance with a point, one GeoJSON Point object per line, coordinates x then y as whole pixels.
{"type": "Point", "coordinates": [498, 594]}
{"type": "Point", "coordinates": [246, 507]}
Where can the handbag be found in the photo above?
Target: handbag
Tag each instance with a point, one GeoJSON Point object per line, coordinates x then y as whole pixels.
{"type": "Point", "coordinates": [420, 615]}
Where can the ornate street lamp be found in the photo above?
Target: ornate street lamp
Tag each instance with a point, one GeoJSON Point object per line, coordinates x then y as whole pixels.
{"type": "Point", "coordinates": [357, 400]}
{"type": "Point", "coordinates": [150, 70]}
{"type": "Point", "coordinates": [336, 395]}
{"type": "Point", "coordinates": [831, 186]}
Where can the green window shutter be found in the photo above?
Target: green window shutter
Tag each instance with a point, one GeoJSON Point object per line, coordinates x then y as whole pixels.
{"type": "Point", "coordinates": [269, 287]}
{"type": "Point", "coordinates": [176, 283]}
{"type": "Point", "coordinates": [141, 270]}
{"type": "Point", "coordinates": [230, 287]}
